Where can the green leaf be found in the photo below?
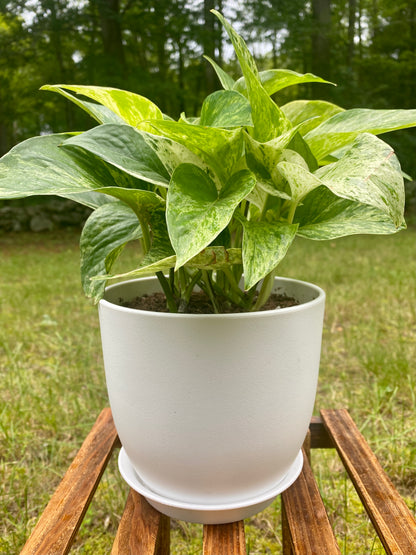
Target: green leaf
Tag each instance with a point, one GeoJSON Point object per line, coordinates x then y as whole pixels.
{"type": "Point", "coordinates": [264, 246]}
{"type": "Point", "coordinates": [269, 121]}
{"type": "Point", "coordinates": [226, 109]}
{"type": "Point", "coordinates": [369, 173]}
{"type": "Point", "coordinates": [342, 128]}
{"type": "Point", "coordinates": [100, 113]}
{"type": "Point", "coordinates": [274, 80]}
{"type": "Point", "coordinates": [226, 80]}
{"type": "Point", "coordinates": [105, 233]}
{"type": "Point", "coordinates": [323, 216]}
{"type": "Point", "coordinates": [143, 203]}
{"type": "Point", "coordinates": [196, 212]}
{"type": "Point", "coordinates": [300, 179]}
{"type": "Point", "coordinates": [262, 160]}
{"type": "Point", "coordinates": [130, 107]}
{"type": "Point", "coordinates": [125, 148]}
{"type": "Point", "coordinates": [220, 149]}
{"type": "Point", "coordinates": [308, 114]}
{"type": "Point", "coordinates": [38, 166]}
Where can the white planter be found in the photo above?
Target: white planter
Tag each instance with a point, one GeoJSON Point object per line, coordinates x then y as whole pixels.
{"type": "Point", "coordinates": [211, 410]}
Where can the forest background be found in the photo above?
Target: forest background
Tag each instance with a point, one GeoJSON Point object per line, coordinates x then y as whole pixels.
{"type": "Point", "coordinates": [155, 48]}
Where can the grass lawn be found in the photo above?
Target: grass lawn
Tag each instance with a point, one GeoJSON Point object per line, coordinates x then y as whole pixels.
{"type": "Point", "coordinates": [52, 382]}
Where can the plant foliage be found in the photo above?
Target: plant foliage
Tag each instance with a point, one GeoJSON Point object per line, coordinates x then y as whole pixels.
{"type": "Point", "coordinates": [219, 196]}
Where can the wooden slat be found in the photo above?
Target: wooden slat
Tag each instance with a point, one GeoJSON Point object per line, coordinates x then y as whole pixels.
{"type": "Point", "coordinates": [388, 512]}
{"type": "Point", "coordinates": [55, 531]}
{"type": "Point", "coordinates": [224, 539]}
{"type": "Point", "coordinates": [306, 527]}
{"type": "Point", "coordinates": [142, 529]}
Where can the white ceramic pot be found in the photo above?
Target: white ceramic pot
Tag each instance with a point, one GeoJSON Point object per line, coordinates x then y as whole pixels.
{"type": "Point", "coordinates": [211, 410]}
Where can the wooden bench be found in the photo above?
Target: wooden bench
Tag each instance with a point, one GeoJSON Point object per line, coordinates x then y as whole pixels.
{"type": "Point", "coordinates": [305, 525]}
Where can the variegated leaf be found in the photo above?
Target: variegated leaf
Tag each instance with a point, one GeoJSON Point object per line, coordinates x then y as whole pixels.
{"type": "Point", "coordinates": [262, 159]}
{"type": "Point", "coordinates": [130, 107]}
{"type": "Point", "coordinates": [342, 128]}
{"type": "Point", "coordinates": [221, 149]}
{"type": "Point", "coordinates": [308, 114]}
{"type": "Point", "coordinates": [274, 80]}
{"type": "Point", "coordinates": [105, 233]}
{"type": "Point", "coordinates": [369, 173]}
{"type": "Point", "coordinates": [143, 203]}
{"type": "Point", "coordinates": [196, 212]}
{"type": "Point", "coordinates": [264, 246]}
{"type": "Point", "coordinates": [300, 179]}
{"type": "Point", "coordinates": [226, 80]}
{"type": "Point", "coordinates": [125, 148]}
{"type": "Point", "coordinates": [38, 166]}
{"type": "Point", "coordinates": [323, 216]}
{"type": "Point", "coordinates": [269, 120]}
{"type": "Point", "coordinates": [97, 111]}
{"type": "Point", "coordinates": [226, 109]}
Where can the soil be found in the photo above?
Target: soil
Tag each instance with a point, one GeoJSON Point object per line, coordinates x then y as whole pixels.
{"type": "Point", "coordinates": [200, 304]}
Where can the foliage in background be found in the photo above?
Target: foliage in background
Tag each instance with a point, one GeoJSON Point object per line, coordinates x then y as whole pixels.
{"type": "Point", "coordinates": [154, 48]}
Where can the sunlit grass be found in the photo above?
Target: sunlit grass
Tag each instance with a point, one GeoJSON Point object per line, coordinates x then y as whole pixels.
{"type": "Point", "coordinates": [52, 382]}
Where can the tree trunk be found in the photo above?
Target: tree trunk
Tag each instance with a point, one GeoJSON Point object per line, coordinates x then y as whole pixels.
{"type": "Point", "coordinates": [111, 33]}
{"type": "Point", "coordinates": [209, 36]}
{"type": "Point", "coordinates": [352, 16]}
{"type": "Point", "coordinates": [321, 42]}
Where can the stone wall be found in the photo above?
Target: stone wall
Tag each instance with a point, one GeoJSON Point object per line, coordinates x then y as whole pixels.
{"type": "Point", "coordinates": [45, 216]}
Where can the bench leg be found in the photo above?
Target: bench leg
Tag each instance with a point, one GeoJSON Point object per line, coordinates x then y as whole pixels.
{"type": "Point", "coordinates": [142, 529]}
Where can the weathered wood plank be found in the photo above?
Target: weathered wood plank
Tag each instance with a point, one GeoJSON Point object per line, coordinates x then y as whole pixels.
{"type": "Point", "coordinates": [142, 529]}
{"type": "Point", "coordinates": [388, 512]}
{"type": "Point", "coordinates": [224, 539]}
{"type": "Point", "coordinates": [306, 527]}
{"type": "Point", "coordinates": [55, 531]}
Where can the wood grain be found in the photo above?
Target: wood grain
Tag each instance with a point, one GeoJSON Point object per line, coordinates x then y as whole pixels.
{"type": "Point", "coordinates": [388, 512]}
{"type": "Point", "coordinates": [224, 539]}
{"type": "Point", "coordinates": [142, 529]}
{"type": "Point", "coordinates": [306, 527]}
{"type": "Point", "coordinates": [55, 531]}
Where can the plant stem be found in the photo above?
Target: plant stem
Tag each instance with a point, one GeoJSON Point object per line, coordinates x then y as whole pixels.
{"type": "Point", "coordinates": [210, 291]}
{"type": "Point", "coordinates": [265, 290]}
{"type": "Point", "coordinates": [292, 211]}
{"type": "Point", "coordinates": [170, 299]}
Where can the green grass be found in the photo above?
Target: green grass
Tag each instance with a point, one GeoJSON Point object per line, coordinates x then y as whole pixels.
{"type": "Point", "coordinates": [52, 382]}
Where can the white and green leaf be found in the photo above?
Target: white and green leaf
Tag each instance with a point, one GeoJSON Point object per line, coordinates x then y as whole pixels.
{"type": "Point", "coordinates": [106, 232]}
{"type": "Point", "coordinates": [197, 212]}
{"type": "Point", "coordinates": [38, 166]}
{"type": "Point", "coordinates": [342, 128]}
{"type": "Point", "coordinates": [301, 180]}
{"type": "Point", "coordinates": [370, 174]}
{"type": "Point", "coordinates": [274, 80]}
{"type": "Point", "coordinates": [264, 246]}
{"type": "Point", "coordinates": [125, 148]}
{"type": "Point", "coordinates": [100, 113]}
{"type": "Point", "coordinates": [226, 109]}
{"type": "Point", "coordinates": [130, 107]}
{"type": "Point", "coordinates": [323, 216]}
{"type": "Point", "coordinates": [269, 120]}
{"type": "Point", "coordinates": [226, 80]}
{"type": "Point", "coordinates": [220, 149]}
{"type": "Point", "coordinates": [308, 114]}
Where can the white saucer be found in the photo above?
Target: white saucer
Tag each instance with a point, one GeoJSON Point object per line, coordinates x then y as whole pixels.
{"type": "Point", "coordinates": [207, 514]}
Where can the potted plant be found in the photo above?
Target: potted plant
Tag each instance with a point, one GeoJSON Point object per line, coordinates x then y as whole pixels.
{"type": "Point", "coordinates": [212, 408]}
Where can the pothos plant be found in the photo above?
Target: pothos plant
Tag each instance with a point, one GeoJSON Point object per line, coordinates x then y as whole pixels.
{"type": "Point", "coordinates": [219, 196]}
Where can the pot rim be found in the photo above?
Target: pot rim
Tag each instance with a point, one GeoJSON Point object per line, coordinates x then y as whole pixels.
{"type": "Point", "coordinates": [104, 303]}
